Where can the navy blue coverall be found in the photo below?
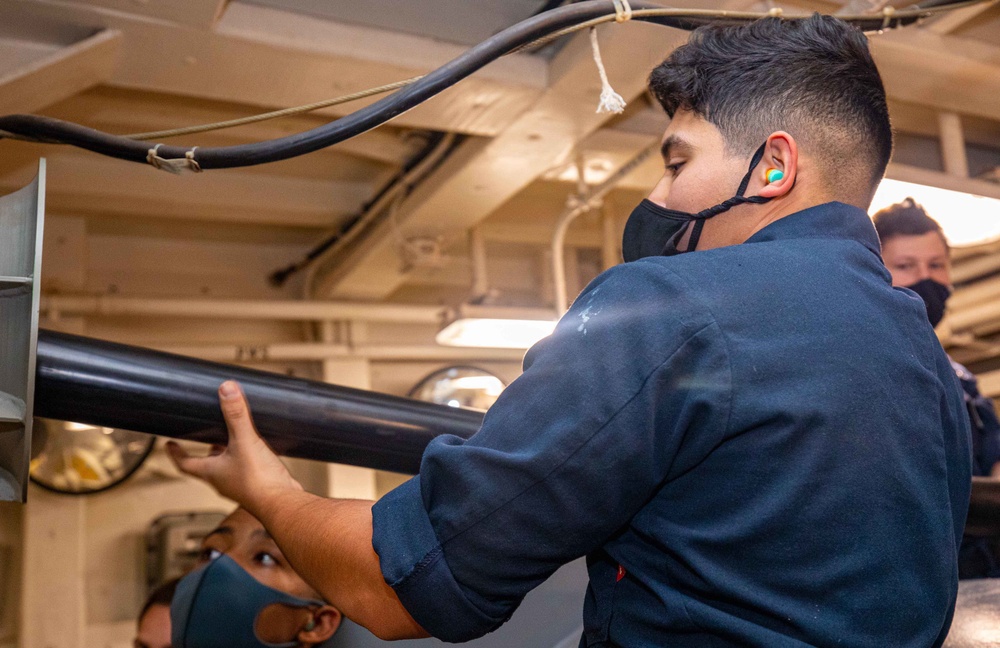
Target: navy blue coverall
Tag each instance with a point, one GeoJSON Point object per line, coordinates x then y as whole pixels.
{"type": "Point", "coordinates": [757, 445]}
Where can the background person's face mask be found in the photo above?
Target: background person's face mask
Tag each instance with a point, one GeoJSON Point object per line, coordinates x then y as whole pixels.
{"type": "Point", "coordinates": [217, 605]}
{"type": "Point", "coordinates": [652, 230]}
{"type": "Point", "coordinates": [935, 296]}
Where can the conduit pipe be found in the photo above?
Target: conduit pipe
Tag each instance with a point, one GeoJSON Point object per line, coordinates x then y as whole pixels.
{"type": "Point", "coordinates": [297, 351]}
{"type": "Point", "coordinates": [584, 202]}
{"type": "Point", "coordinates": [286, 310]}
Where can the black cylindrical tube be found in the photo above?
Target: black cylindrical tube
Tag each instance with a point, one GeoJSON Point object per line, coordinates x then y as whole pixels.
{"type": "Point", "coordinates": [114, 385]}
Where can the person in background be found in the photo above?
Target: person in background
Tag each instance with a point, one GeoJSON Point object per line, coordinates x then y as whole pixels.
{"type": "Point", "coordinates": [244, 594]}
{"type": "Point", "coordinates": [916, 253]}
{"type": "Point", "coordinates": [153, 627]}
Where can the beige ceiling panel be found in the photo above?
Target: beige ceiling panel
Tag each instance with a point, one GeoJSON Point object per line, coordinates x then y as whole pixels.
{"type": "Point", "coordinates": [62, 73]}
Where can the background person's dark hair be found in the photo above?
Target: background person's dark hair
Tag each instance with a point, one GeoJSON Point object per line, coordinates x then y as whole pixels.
{"type": "Point", "coordinates": [905, 218]}
{"type": "Point", "coordinates": [162, 595]}
{"type": "Point", "coordinates": [813, 78]}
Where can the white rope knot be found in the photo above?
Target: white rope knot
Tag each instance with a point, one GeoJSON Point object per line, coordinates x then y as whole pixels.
{"type": "Point", "coordinates": [176, 166]}
{"type": "Point", "coordinates": [775, 12]}
{"type": "Point", "coordinates": [887, 15]}
{"type": "Point", "coordinates": [611, 101]}
{"type": "Point", "coordinates": [623, 11]}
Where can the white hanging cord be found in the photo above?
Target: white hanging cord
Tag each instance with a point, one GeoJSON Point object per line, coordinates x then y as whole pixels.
{"type": "Point", "coordinates": [611, 101]}
{"type": "Point", "coordinates": [175, 165]}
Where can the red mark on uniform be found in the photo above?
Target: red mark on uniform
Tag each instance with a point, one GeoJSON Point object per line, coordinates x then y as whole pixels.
{"type": "Point", "coordinates": [621, 573]}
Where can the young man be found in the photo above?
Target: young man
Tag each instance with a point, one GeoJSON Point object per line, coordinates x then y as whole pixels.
{"type": "Point", "coordinates": [758, 443]}
{"type": "Point", "coordinates": [916, 252]}
{"type": "Point", "coordinates": [246, 595]}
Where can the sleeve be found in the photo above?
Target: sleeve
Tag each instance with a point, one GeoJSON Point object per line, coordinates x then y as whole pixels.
{"type": "Point", "coordinates": [985, 428]}
{"type": "Point", "coordinates": [634, 376]}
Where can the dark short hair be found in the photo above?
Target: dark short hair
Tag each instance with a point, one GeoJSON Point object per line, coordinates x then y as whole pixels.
{"type": "Point", "coordinates": [814, 78]}
{"type": "Point", "coordinates": [905, 218]}
{"type": "Point", "coordinates": [162, 595]}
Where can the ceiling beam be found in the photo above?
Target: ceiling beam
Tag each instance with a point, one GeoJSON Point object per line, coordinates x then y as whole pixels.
{"type": "Point", "coordinates": [194, 13]}
{"type": "Point", "coordinates": [126, 111]}
{"type": "Point", "coordinates": [63, 73]}
{"type": "Point", "coordinates": [105, 186]}
{"type": "Point", "coordinates": [269, 58]}
{"type": "Point", "coordinates": [942, 72]}
{"type": "Point", "coordinates": [918, 175]}
{"type": "Point", "coordinates": [482, 175]}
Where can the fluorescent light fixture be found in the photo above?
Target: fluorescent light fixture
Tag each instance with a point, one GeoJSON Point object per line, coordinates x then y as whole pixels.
{"type": "Point", "coordinates": [497, 328]}
{"type": "Point", "coordinates": [495, 333]}
{"type": "Point", "coordinates": [489, 385]}
{"type": "Point", "coordinates": [967, 219]}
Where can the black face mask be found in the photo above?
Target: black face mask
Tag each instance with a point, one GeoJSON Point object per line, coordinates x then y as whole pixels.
{"type": "Point", "coordinates": [935, 296]}
{"type": "Point", "coordinates": [652, 230]}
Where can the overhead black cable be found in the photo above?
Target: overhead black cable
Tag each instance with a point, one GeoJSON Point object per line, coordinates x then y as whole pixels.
{"type": "Point", "coordinates": [511, 39]}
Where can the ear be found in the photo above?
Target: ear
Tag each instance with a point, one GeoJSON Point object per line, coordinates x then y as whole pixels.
{"type": "Point", "coordinates": [781, 152]}
{"type": "Point", "coordinates": [327, 620]}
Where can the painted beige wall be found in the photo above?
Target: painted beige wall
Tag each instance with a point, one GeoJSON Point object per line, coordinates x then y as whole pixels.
{"type": "Point", "coordinates": [10, 570]}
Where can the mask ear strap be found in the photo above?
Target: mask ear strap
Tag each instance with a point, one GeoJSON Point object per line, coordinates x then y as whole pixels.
{"type": "Point", "coordinates": [754, 161]}
{"type": "Point", "coordinates": [738, 199]}
{"type": "Point", "coordinates": [695, 234]}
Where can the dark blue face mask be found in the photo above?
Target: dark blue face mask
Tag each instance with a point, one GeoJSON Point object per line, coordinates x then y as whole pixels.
{"type": "Point", "coordinates": [217, 605]}
{"type": "Point", "coordinates": [652, 230]}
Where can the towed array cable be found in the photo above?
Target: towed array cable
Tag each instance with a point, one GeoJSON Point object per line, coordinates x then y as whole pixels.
{"type": "Point", "coordinates": [540, 28]}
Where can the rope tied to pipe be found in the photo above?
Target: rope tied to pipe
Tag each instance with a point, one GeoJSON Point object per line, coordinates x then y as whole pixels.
{"type": "Point", "coordinates": [623, 11]}
{"type": "Point", "coordinates": [176, 166]}
{"type": "Point", "coordinates": [888, 12]}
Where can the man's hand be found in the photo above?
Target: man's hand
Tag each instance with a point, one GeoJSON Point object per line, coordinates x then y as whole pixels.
{"type": "Point", "coordinates": [246, 470]}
